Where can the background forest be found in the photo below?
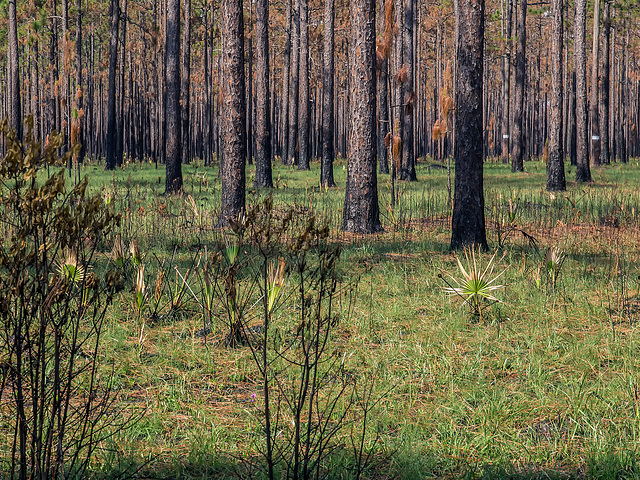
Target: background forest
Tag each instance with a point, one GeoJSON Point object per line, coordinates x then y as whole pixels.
{"type": "Point", "coordinates": [232, 245]}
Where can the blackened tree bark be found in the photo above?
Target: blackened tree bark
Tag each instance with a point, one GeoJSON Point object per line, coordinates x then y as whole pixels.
{"type": "Point", "coordinates": [382, 60]}
{"type": "Point", "coordinates": [185, 89]}
{"type": "Point", "coordinates": [303, 154]}
{"type": "Point", "coordinates": [604, 85]}
{"type": "Point", "coordinates": [80, 92]}
{"type": "Point", "coordinates": [233, 113]}
{"type": "Point", "coordinates": [468, 224]}
{"type": "Point", "coordinates": [263, 109]}
{"type": "Point", "coordinates": [286, 64]}
{"type": "Point", "coordinates": [517, 162]}
{"type": "Point", "coordinates": [583, 171]}
{"type": "Point", "coordinates": [571, 118]}
{"type": "Point", "coordinates": [294, 87]}
{"type": "Point", "coordinates": [595, 118]}
{"type": "Point", "coordinates": [110, 162]}
{"type": "Point", "coordinates": [555, 165]}
{"type": "Point", "coordinates": [506, 77]}
{"type": "Point", "coordinates": [408, 162]}
{"type": "Point", "coordinates": [173, 135]}
{"type": "Point", "coordinates": [15, 113]}
{"type": "Point", "coordinates": [361, 212]}
{"type": "Point", "coordinates": [328, 149]}
{"type": "Point", "coordinates": [120, 116]}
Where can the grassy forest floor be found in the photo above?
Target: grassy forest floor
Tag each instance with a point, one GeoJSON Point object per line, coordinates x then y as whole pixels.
{"type": "Point", "coordinates": [544, 383]}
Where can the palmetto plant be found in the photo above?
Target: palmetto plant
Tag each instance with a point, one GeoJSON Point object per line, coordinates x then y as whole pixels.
{"type": "Point", "coordinates": [477, 284]}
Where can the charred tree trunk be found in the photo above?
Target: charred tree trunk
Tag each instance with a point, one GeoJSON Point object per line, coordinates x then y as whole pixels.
{"type": "Point", "coordinates": [80, 92]}
{"type": "Point", "coordinates": [120, 117]}
{"type": "Point", "coordinates": [303, 155]}
{"type": "Point", "coordinates": [595, 120]}
{"type": "Point", "coordinates": [555, 164]}
{"type": "Point", "coordinates": [408, 161]}
{"type": "Point", "coordinates": [186, 84]}
{"type": "Point", "coordinates": [361, 213]}
{"type": "Point", "coordinates": [173, 135]}
{"type": "Point", "coordinates": [15, 112]}
{"type": "Point", "coordinates": [110, 163]}
{"type": "Point", "coordinates": [328, 149]}
{"type": "Point", "coordinates": [517, 162]}
{"type": "Point", "coordinates": [263, 108]}
{"type": "Point", "coordinates": [604, 86]}
{"type": "Point", "coordinates": [294, 89]}
{"type": "Point", "coordinates": [286, 64]}
{"type": "Point", "coordinates": [468, 224]}
{"type": "Point", "coordinates": [583, 171]}
{"type": "Point", "coordinates": [506, 78]}
{"type": "Point", "coordinates": [233, 113]}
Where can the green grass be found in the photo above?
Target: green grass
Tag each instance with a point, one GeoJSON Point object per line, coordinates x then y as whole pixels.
{"type": "Point", "coordinates": [544, 386]}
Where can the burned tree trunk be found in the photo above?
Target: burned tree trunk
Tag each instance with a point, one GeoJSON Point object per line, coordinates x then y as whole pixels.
{"type": "Point", "coordinates": [173, 138]}
{"type": "Point", "coordinates": [517, 162]}
{"type": "Point", "coordinates": [328, 149]}
{"type": "Point", "coordinates": [583, 172]}
{"type": "Point", "coordinates": [263, 108]}
{"type": "Point", "coordinates": [233, 113]}
{"type": "Point", "coordinates": [555, 165]}
{"type": "Point", "coordinates": [361, 212]}
{"type": "Point", "coordinates": [468, 225]}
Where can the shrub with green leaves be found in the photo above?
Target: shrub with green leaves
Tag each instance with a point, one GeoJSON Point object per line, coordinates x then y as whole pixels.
{"type": "Point", "coordinates": [52, 307]}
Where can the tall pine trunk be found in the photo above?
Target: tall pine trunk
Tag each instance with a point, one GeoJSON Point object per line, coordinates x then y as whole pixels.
{"type": "Point", "coordinates": [110, 163]}
{"type": "Point", "coordinates": [263, 109]}
{"type": "Point", "coordinates": [595, 119]}
{"type": "Point", "coordinates": [506, 77]}
{"type": "Point", "coordinates": [173, 135]}
{"type": "Point", "coordinates": [555, 165]}
{"type": "Point", "coordinates": [468, 224]}
{"type": "Point", "coordinates": [185, 89]}
{"type": "Point", "coordinates": [517, 162]}
{"type": "Point", "coordinates": [15, 112]}
{"type": "Point", "coordinates": [583, 171]}
{"type": "Point", "coordinates": [604, 86]}
{"type": "Point", "coordinates": [328, 149]}
{"type": "Point", "coordinates": [233, 113]}
{"type": "Point", "coordinates": [361, 212]}
{"type": "Point", "coordinates": [305, 114]}
{"type": "Point", "coordinates": [294, 88]}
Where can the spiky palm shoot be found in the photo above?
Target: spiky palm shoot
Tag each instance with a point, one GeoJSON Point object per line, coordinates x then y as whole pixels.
{"type": "Point", "coordinates": [118, 252]}
{"type": "Point", "coordinates": [136, 256]}
{"type": "Point", "coordinates": [275, 283]}
{"type": "Point", "coordinates": [554, 260]}
{"type": "Point", "coordinates": [477, 284]}
{"type": "Point", "coordinates": [70, 269]}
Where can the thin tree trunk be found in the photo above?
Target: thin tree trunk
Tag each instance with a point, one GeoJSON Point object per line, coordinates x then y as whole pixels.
{"type": "Point", "coordinates": [263, 109]}
{"type": "Point", "coordinates": [173, 136]}
{"type": "Point", "coordinates": [506, 77]}
{"type": "Point", "coordinates": [583, 171]}
{"type": "Point", "coordinates": [595, 120]}
{"type": "Point", "coordinates": [604, 86]}
{"type": "Point", "coordinates": [110, 163]}
{"type": "Point", "coordinates": [121, 114]}
{"type": "Point", "coordinates": [408, 162]}
{"type": "Point", "coordinates": [468, 224]}
{"type": "Point", "coordinates": [294, 90]}
{"type": "Point", "coordinates": [15, 111]}
{"type": "Point", "coordinates": [80, 93]}
{"type": "Point", "coordinates": [305, 115]}
{"type": "Point", "coordinates": [517, 162]}
{"type": "Point", "coordinates": [555, 164]}
{"type": "Point", "coordinates": [328, 149]}
{"type": "Point", "coordinates": [286, 64]}
{"type": "Point", "coordinates": [186, 84]}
